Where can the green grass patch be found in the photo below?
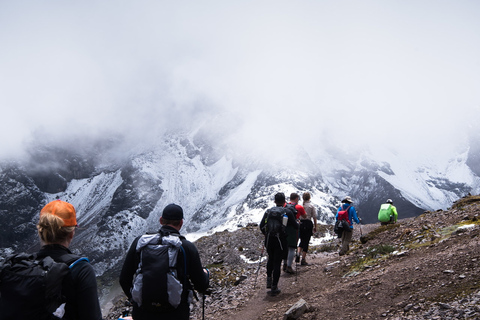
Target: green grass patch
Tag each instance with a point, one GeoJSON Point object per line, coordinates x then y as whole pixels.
{"type": "Point", "coordinates": [379, 249]}
{"type": "Point", "coordinates": [430, 237]}
{"type": "Point", "coordinates": [371, 256]}
{"type": "Point", "coordinates": [447, 231]}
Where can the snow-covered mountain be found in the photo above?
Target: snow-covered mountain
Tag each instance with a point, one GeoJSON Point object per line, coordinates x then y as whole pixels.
{"type": "Point", "coordinates": [120, 197]}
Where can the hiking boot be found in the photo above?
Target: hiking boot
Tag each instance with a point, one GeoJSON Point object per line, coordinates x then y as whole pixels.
{"type": "Point", "coordinates": [297, 258]}
{"type": "Point", "coordinates": [275, 291]}
{"type": "Point", "coordinates": [269, 282]}
{"type": "Point", "coordinates": [290, 270]}
{"type": "Point", "coordinates": [304, 263]}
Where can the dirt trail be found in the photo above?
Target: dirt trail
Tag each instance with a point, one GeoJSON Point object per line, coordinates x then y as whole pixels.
{"type": "Point", "coordinates": [261, 305]}
{"type": "Point", "coordinates": [309, 281]}
{"type": "Point", "coordinates": [432, 272]}
{"type": "Point", "coordinates": [416, 279]}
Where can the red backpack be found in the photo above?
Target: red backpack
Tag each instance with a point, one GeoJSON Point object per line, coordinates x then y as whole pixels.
{"type": "Point", "coordinates": [343, 215]}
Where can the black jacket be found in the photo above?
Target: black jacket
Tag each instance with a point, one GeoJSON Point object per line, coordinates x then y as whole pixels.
{"type": "Point", "coordinates": [79, 287]}
{"type": "Point", "coordinates": [194, 271]}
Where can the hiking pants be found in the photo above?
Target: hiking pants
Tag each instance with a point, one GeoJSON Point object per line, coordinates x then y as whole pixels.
{"type": "Point", "coordinates": [306, 231]}
{"type": "Point", "coordinates": [276, 248]}
{"type": "Point", "coordinates": [291, 255]}
{"type": "Point", "coordinates": [346, 238]}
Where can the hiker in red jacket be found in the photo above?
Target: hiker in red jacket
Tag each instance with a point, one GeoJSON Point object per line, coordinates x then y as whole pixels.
{"type": "Point", "coordinates": [294, 199]}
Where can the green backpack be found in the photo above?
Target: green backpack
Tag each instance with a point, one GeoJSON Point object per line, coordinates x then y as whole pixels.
{"type": "Point", "coordinates": [385, 213]}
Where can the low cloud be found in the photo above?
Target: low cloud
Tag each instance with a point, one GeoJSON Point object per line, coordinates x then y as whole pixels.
{"type": "Point", "coordinates": [270, 74]}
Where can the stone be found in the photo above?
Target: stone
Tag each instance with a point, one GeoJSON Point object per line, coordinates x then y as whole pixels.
{"type": "Point", "coordinates": [296, 311]}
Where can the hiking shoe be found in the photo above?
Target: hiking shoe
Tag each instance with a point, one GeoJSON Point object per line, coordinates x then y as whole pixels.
{"type": "Point", "coordinates": [289, 270]}
{"type": "Point", "coordinates": [274, 292]}
{"type": "Point", "coordinates": [269, 282]}
{"type": "Point", "coordinates": [304, 263]}
{"type": "Point", "coordinates": [297, 258]}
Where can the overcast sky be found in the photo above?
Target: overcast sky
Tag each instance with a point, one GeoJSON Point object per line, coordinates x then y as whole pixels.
{"type": "Point", "coordinates": [405, 73]}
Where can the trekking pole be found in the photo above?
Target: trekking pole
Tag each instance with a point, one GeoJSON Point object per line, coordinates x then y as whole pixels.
{"type": "Point", "coordinates": [207, 292]}
{"type": "Point", "coordinates": [258, 268]}
{"type": "Point", "coordinates": [203, 306]}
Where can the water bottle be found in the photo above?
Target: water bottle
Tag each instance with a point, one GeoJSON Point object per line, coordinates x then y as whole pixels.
{"type": "Point", "coordinates": [285, 219]}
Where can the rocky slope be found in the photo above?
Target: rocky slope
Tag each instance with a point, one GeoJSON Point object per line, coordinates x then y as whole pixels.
{"type": "Point", "coordinates": [425, 267]}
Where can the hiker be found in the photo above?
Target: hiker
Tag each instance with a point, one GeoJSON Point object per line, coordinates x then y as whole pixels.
{"type": "Point", "coordinates": [352, 216]}
{"type": "Point", "coordinates": [56, 229]}
{"type": "Point", "coordinates": [191, 275]}
{"type": "Point", "coordinates": [300, 212]}
{"type": "Point", "coordinates": [387, 213]}
{"type": "Point", "coordinates": [306, 227]}
{"type": "Point", "coordinates": [273, 226]}
{"type": "Point", "coordinates": [292, 240]}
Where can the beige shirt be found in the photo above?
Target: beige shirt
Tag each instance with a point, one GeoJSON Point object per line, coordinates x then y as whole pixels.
{"type": "Point", "coordinates": [310, 210]}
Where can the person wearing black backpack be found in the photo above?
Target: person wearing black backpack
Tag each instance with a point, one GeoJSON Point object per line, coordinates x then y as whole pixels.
{"type": "Point", "coordinates": [37, 287]}
{"type": "Point", "coordinates": [146, 292]}
{"type": "Point", "coordinates": [273, 226]}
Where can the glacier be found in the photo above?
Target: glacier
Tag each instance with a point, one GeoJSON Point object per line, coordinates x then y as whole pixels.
{"type": "Point", "coordinates": [117, 201]}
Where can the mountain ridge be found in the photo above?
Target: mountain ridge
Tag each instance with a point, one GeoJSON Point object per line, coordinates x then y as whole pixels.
{"type": "Point", "coordinates": [119, 197]}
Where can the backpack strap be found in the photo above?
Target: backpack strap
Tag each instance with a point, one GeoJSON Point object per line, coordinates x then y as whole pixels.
{"type": "Point", "coordinates": [72, 259]}
{"type": "Point", "coordinates": [186, 278]}
{"type": "Point", "coordinates": [77, 261]}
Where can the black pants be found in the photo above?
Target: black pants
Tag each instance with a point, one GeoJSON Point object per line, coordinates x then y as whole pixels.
{"type": "Point", "coordinates": [306, 231]}
{"type": "Point", "coordinates": [181, 313]}
{"type": "Point", "coordinates": [276, 248]}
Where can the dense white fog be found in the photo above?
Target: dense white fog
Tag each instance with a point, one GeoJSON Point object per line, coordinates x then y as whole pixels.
{"type": "Point", "coordinates": [269, 73]}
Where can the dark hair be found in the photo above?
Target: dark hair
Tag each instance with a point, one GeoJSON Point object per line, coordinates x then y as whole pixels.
{"type": "Point", "coordinates": [280, 198]}
{"type": "Point", "coordinates": [294, 196]}
{"type": "Point", "coordinates": [174, 223]}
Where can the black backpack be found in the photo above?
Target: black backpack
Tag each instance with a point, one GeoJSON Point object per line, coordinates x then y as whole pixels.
{"type": "Point", "coordinates": [292, 208]}
{"type": "Point", "coordinates": [274, 226]}
{"type": "Point", "coordinates": [156, 285]}
{"type": "Point", "coordinates": [31, 288]}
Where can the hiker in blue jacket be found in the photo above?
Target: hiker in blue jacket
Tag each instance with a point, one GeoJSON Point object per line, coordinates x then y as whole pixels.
{"type": "Point", "coordinates": [352, 216]}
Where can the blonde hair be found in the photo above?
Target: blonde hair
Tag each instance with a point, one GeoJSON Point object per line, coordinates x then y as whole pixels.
{"type": "Point", "coordinates": [306, 196]}
{"type": "Point", "coordinates": [51, 229]}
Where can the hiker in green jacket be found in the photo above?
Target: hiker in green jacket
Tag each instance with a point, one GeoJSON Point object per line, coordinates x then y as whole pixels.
{"type": "Point", "coordinates": [388, 213]}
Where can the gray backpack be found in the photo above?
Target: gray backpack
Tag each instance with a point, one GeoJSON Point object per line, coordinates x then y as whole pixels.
{"type": "Point", "coordinates": [156, 286]}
